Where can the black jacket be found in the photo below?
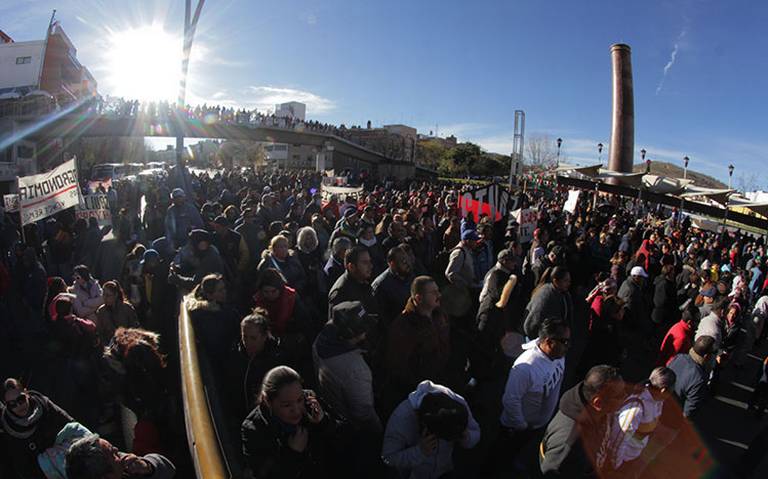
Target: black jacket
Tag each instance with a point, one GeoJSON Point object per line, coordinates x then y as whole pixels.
{"type": "Point", "coordinates": [664, 301]}
{"type": "Point", "coordinates": [244, 375]}
{"type": "Point", "coordinates": [267, 453]}
{"type": "Point", "coordinates": [572, 438]}
{"type": "Point", "coordinates": [20, 451]}
{"type": "Point", "coordinates": [346, 288]}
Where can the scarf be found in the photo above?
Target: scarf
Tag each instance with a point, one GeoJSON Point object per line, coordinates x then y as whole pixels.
{"type": "Point", "coordinates": [23, 427]}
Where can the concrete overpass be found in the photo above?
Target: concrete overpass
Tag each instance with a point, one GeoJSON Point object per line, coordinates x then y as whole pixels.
{"type": "Point", "coordinates": [335, 152]}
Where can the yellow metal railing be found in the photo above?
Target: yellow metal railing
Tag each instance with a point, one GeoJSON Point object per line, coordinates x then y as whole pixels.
{"type": "Point", "coordinates": [201, 434]}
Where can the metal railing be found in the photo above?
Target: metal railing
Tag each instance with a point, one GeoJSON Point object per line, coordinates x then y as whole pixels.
{"type": "Point", "coordinates": [204, 446]}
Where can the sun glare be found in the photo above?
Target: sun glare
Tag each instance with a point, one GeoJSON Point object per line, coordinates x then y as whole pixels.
{"type": "Point", "coordinates": [144, 64]}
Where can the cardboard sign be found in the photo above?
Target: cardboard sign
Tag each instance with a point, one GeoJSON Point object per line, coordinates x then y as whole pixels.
{"type": "Point", "coordinates": [572, 201]}
{"type": "Point", "coordinates": [43, 195]}
{"type": "Point", "coordinates": [95, 206]}
{"type": "Point", "coordinates": [492, 200]}
{"type": "Point", "coordinates": [11, 203]}
{"type": "Point", "coordinates": [527, 219]}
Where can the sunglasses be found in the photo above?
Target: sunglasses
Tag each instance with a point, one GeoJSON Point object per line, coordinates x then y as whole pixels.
{"type": "Point", "coordinates": [21, 399]}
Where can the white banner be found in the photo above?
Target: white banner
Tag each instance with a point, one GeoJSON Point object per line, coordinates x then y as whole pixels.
{"type": "Point", "coordinates": [48, 193]}
{"type": "Point", "coordinates": [527, 220]}
{"type": "Point", "coordinates": [341, 192]}
{"type": "Point", "coordinates": [11, 203]}
{"type": "Point", "coordinates": [95, 206]}
{"type": "Point", "coordinates": [572, 201]}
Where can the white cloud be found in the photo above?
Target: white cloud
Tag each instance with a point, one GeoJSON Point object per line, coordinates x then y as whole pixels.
{"type": "Point", "coordinates": [266, 97]}
{"type": "Point", "coordinates": [672, 59]}
{"type": "Point", "coordinates": [262, 98]}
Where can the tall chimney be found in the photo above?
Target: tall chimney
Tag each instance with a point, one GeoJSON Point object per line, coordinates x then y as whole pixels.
{"type": "Point", "coordinates": [623, 126]}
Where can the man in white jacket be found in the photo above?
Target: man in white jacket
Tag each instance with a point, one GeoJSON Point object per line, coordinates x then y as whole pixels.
{"type": "Point", "coordinates": [533, 387]}
{"type": "Point", "coordinates": [420, 434]}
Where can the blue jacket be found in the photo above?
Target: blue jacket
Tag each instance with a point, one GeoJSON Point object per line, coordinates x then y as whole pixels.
{"type": "Point", "coordinates": [690, 384]}
{"type": "Point", "coordinates": [179, 221]}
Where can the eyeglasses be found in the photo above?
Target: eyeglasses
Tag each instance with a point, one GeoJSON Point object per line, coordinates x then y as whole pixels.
{"type": "Point", "coordinates": [13, 403]}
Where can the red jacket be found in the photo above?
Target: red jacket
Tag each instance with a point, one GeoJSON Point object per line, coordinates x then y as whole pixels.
{"type": "Point", "coordinates": [679, 339]}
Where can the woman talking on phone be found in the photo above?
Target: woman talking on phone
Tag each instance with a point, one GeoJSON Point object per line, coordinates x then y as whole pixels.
{"type": "Point", "coordinates": [288, 433]}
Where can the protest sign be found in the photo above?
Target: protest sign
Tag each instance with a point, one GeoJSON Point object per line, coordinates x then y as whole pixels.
{"type": "Point", "coordinates": [526, 218]}
{"type": "Point", "coordinates": [95, 206]}
{"type": "Point", "coordinates": [492, 200]}
{"type": "Point", "coordinates": [48, 193]}
{"type": "Point", "coordinates": [572, 201]}
{"type": "Point", "coordinates": [11, 203]}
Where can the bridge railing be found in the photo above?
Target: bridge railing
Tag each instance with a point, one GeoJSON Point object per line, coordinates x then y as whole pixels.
{"type": "Point", "coordinates": [202, 434]}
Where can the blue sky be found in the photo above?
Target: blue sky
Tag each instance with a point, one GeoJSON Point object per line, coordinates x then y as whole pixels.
{"type": "Point", "coordinates": [699, 66]}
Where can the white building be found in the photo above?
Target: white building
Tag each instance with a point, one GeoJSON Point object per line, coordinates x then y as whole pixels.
{"type": "Point", "coordinates": [292, 109]}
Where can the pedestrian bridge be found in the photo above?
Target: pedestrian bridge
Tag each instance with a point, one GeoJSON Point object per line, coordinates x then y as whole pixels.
{"type": "Point", "coordinates": [339, 153]}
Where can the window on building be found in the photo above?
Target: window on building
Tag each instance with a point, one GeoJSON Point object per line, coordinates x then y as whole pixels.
{"type": "Point", "coordinates": [23, 60]}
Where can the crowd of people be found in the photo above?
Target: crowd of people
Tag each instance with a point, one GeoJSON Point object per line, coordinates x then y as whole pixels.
{"type": "Point", "coordinates": [217, 114]}
{"type": "Point", "coordinates": [384, 334]}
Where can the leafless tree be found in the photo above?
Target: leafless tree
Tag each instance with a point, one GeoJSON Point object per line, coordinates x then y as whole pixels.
{"type": "Point", "coordinates": [747, 182]}
{"type": "Point", "coordinates": [540, 151]}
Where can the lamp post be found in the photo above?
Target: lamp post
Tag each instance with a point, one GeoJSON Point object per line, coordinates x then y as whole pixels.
{"type": "Point", "coordinates": [600, 153]}
{"type": "Point", "coordinates": [685, 167]}
{"type": "Point", "coordinates": [559, 143]}
{"type": "Point", "coordinates": [642, 154]}
{"type": "Point", "coordinates": [190, 25]}
{"type": "Point", "coordinates": [648, 166]}
{"type": "Point", "coordinates": [730, 175]}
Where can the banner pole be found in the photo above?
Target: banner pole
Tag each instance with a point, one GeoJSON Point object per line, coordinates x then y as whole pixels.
{"type": "Point", "coordinates": [21, 214]}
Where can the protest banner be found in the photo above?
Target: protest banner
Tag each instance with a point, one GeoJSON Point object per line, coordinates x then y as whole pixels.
{"type": "Point", "coordinates": [48, 193]}
{"type": "Point", "coordinates": [11, 203]}
{"type": "Point", "coordinates": [492, 200]}
{"type": "Point", "coordinates": [95, 206]}
{"type": "Point", "coordinates": [526, 218]}
{"type": "Point", "coordinates": [341, 192]}
{"type": "Point", "coordinates": [572, 201]}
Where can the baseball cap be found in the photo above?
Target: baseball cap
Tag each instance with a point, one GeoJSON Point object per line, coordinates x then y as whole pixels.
{"type": "Point", "coordinates": [708, 292]}
{"type": "Point", "coordinates": [351, 319]}
{"type": "Point", "coordinates": [149, 255]}
{"type": "Point", "coordinates": [638, 271]}
{"type": "Point", "coordinates": [178, 193]}
{"type": "Point", "coordinates": [469, 235]}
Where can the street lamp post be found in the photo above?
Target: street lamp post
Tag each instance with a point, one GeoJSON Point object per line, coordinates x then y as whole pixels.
{"type": "Point", "coordinates": [730, 175]}
{"type": "Point", "coordinates": [600, 153]}
{"type": "Point", "coordinates": [685, 169]}
{"type": "Point", "coordinates": [190, 25]}
{"type": "Point", "coordinates": [559, 143]}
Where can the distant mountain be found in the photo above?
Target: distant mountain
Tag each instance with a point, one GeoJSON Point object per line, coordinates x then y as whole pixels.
{"type": "Point", "coordinates": [663, 168]}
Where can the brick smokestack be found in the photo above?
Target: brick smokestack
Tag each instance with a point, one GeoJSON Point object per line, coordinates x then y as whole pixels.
{"type": "Point", "coordinates": [623, 115]}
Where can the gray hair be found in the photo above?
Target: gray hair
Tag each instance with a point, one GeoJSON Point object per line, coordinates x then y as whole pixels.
{"type": "Point", "coordinates": [306, 239]}
{"type": "Point", "coordinates": [340, 244]}
{"type": "Point", "coordinates": [86, 459]}
{"type": "Point", "coordinates": [504, 255]}
{"type": "Point", "coordinates": [662, 378]}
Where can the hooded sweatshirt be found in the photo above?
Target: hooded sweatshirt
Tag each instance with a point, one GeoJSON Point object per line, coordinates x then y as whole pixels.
{"type": "Point", "coordinates": [345, 379]}
{"type": "Point", "coordinates": [573, 437]}
{"type": "Point", "coordinates": [533, 387]}
{"type": "Point", "coordinates": [401, 448]}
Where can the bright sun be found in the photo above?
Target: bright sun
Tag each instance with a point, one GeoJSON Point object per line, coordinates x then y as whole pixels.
{"type": "Point", "coordinates": [144, 64]}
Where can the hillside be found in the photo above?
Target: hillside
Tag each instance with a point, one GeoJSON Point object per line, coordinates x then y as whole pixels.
{"type": "Point", "coordinates": [663, 168]}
